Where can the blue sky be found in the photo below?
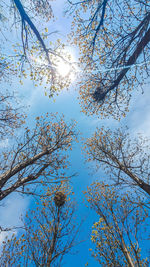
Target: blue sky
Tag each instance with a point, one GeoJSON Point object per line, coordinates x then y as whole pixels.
{"type": "Point", "coordinates": [68, 104]}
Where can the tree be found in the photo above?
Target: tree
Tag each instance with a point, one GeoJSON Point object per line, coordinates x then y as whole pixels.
{"type": "Point", "coordinates": [26, 55]}
{"type": "Point", "coordinates": [49, 232]}
{"type": "Point", "coordinates": [113, 38]}
{"type": "Point", "coordinates": [33, 53]}
{"type": "Point", "coordinates": [118, 233]}
{"type": "Point", "coordinates": [126, 159]}
{"type": "Point", "coordinates": [37, 156]}
{"type": "Point", "coordinates": [11, 117]}
{"type": "Point", "coordinates": [29, 56]}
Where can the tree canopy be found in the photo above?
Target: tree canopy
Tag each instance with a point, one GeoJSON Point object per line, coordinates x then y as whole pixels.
{"type": "Point", "coordinates": [34, 54]}
{"type": "Point", "coordinates": [49, 233]}
{"type": "Point", "coordinates": [125, 159]}
{"type": "Point", "coordinates": [36, 157]}
{"type": "Point", "coordinates": [118, 233]}
{"type": "Point", "coordinates": [113, 38]}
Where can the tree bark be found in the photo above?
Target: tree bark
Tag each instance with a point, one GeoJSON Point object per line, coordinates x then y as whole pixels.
{"type": "Point", "coordinates": [144, 186]}
{"type": "Point", "coordinates": [51, 250]}
{"type": "Point", "coordinates": [132, 59]}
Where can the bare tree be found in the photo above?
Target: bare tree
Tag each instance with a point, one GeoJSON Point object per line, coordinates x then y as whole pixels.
{"type": "Point", "coordinates": [120, 229]}
{"type": "Point", "coordinates": [126, 159]}
{"type": "Point", "coordinates": [36, 157]}
{"type": "Point", "coordinates": [113, 37]}
{"type": "Point", "coordinates": [49, 233]}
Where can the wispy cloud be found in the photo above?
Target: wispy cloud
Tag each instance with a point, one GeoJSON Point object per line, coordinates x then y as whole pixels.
{"type": "Point", "coordinates": [138, 118]}
{"type": "Point", "coordinates": [4, 143]}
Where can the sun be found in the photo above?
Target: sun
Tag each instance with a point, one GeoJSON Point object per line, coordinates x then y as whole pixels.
{"type": "Point", "coordinates": [63, 68]}
{"type": "Point", "coordinates": [67, 67]}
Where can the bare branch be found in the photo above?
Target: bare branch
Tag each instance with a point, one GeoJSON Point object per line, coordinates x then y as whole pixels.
{"type": "Point", "coordinates": [126, 160]}
{"type": "Point", "coordinates": [40, 153]}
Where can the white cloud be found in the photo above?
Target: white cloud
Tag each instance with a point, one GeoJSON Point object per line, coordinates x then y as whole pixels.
{"type": "Point", "coordinates": [11, 211]}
